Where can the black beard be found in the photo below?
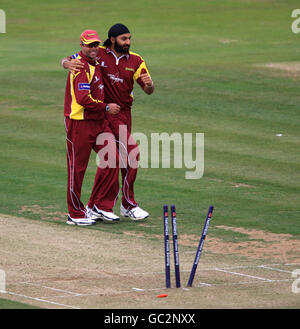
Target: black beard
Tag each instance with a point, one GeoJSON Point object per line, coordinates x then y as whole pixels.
{"type": "Point", "coordinates": [120, 49]}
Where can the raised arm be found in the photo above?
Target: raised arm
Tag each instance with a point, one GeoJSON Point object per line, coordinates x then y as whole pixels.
{"type": "Point", "coordinates": [147, 81]}
{"type": "Point", "coordinates": [143, 78]}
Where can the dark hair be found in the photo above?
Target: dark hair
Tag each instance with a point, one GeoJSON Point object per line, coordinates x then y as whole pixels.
{"type": "Point", "coordinates": [117, 29]}
{"type": "Point", "coordinates": [107, 43]}
{"type": "Point", "coordinates": [114, 31]}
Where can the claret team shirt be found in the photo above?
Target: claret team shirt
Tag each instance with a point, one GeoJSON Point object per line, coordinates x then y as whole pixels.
{"type": "Point", "coordinates": [119, 75]}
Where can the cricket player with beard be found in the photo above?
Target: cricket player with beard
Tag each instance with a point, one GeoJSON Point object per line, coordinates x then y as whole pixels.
{"type": "Point", "coordinates": [120, 69]}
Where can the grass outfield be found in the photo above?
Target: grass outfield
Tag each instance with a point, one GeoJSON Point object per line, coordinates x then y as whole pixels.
{"type": "Point", "coordinates": [8, 304]}
{"type": "Point", "coordinates": [226, 69]}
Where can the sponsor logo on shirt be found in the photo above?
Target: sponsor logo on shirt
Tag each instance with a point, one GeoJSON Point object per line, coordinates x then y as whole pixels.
{"type": "Point", "coordinates": [115, 78]}
{"type": "Point", "coordinates": [84, 86]}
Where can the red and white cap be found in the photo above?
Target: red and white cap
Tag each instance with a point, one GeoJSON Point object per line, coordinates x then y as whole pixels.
{"type": "Point", "coordinates": [89, 36]}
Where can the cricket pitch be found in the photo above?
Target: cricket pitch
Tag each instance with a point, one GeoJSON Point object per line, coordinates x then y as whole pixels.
{"type": "Point", "coordinates": [60, 266]}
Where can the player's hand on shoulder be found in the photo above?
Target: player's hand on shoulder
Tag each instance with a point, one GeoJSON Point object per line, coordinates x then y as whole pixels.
{"type": "Point", "coordinates": [75, 65]}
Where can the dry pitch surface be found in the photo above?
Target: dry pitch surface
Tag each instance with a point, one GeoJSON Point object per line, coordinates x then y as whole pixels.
{"type": "Point", "coordinates": [55, 266]}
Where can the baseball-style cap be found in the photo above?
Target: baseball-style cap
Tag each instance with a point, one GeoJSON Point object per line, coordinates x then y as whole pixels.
{"type": "Point", "coordinates": [89, 36]}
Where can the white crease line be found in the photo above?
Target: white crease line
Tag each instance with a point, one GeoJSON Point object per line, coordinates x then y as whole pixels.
{"type": "Point", "coordinates": [213, 268]}
{"type": "Point", "coordinates": [205, 284]}
{"type": "Point", "coordinates": [41, 300]}
{"type": "Point", "coordinates": [51, 288]}
{"type": "Point", "coordinates": [242, 274]}
{"type": "Point", "coordinates": [292, 264]}
{"type": "Point", "coordinates": [247, 282]}
{"type": "Point", "coordinates": [181, 270]}
{"type": "Point", "coordinates": [153, 289]}
{"type": "Point", "coordinates": [275, 269]}
{"type": "Point", "coordinates": [105, 294]}
{"type": "Point", "coordinates": [200, 285]}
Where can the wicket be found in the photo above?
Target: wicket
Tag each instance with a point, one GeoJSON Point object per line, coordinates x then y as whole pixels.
{"type": "Point", "coordinates": [200, 246]}
{"type": "Point", "coordinates": [175, 246]}
{"type": "Point", "coordinates": [167, 246]}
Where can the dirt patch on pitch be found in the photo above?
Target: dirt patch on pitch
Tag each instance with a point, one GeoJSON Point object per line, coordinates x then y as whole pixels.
{"type": "Point", "coordinates": [233, 184]}
{"type": "Point", "coordinates": [290, 69]}
{"type": "Point", "coordinates": [227, 41]}
{"type": "Point", "coordinates": [44, 213]}
{"type": "Point", "coordinates": [54, 265]}
{"type": "Point", "coordinates": [258, 245]}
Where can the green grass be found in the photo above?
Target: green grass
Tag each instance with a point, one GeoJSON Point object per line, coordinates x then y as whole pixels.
{"type": "Point", "coordinates": [203, 84]}
{"type": "Point", "coordinates": [9, 304]}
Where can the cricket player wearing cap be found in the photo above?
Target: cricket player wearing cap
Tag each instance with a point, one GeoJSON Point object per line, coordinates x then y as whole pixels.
{"type": "Point", "coordinates": [84, 120]}
{"type": "Point", "coordinates": [121, 68]}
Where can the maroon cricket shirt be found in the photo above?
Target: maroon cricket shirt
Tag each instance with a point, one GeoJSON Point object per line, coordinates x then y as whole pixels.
{"type": "Point", "coordinates": [84, 96]}
{"type": "Point", "coordinates": [119, 75]}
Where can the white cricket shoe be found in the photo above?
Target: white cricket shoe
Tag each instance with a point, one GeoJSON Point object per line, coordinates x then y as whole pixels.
{"type": "Point", "coordinates": [80, 221]}
{"type": "Point", "coordinates": [135, 213]}
{"type": "Point", "coordinates": [92, 215]}
{"type": "Point", "coordinates": [106, 216]}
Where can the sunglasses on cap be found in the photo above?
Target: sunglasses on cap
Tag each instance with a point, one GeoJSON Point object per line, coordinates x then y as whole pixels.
{"type": "Point", "coordinates": [92, 45]}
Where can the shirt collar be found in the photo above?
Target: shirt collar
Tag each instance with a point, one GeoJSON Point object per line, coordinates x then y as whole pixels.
{"type": "Point", "coordinates": [108, 50]}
